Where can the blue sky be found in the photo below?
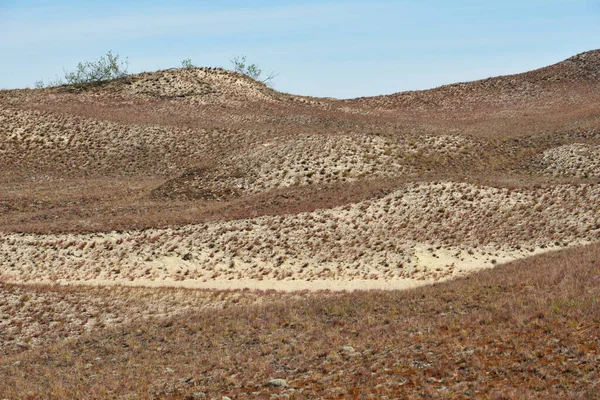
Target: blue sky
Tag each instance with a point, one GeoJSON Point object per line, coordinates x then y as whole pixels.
{"type": "Point", "coordinates": [320, 48]}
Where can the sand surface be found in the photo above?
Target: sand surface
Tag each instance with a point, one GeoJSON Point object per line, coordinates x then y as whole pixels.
{"type": "Point", "coordinates": [420, 234]}
{"type": "Point", "coordinates": [445, 264]}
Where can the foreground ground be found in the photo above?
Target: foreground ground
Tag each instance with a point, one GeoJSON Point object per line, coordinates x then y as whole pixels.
{"type": "Point", "coordinates": [529, 329]}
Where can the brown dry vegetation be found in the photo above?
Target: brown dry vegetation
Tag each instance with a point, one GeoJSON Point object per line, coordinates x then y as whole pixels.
{"type": "Point", "coordinates": [528, 329]}
{"type": "Point", "coordinates": [204, 178]}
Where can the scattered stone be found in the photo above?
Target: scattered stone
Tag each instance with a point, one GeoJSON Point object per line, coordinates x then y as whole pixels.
{"type": "Point", "coordinates": [277, 383]}
{"type": "Point", "coordinates": [349, 351]}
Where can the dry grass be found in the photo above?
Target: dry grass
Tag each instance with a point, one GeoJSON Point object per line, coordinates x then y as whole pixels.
{"type": "Point", "coordinates": [204, 176]}
{"type": "Point", "coordinates": [38, 315]}
{"type": "Point", "coordinates": [525, 330]}
{"type": "Point", "coordinates": [92, 205]}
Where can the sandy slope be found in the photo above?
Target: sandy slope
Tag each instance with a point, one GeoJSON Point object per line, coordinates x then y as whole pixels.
{"type": "Point", "coordinates": [419, 234]}
{"type": "Point", "coordinates": [477, 174]}
{"type": "Point", "coordinates": [444, 263]}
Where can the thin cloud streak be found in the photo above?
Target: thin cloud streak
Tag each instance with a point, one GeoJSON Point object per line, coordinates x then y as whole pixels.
{"type": "Point", "coordinates": [158, 23]}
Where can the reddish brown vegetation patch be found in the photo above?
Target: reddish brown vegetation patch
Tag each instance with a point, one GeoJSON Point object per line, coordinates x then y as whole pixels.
{"type": "Point", "coordinates": [529, 329]}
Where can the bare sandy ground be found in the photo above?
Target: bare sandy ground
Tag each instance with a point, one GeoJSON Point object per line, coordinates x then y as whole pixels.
{"type": "Point", "coordinates": [445, 265]}
{"type": "Point", "coordinates": [420, 234]}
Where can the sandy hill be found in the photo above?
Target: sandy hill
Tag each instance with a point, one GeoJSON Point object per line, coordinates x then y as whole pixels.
{"type": "Point", "coordinates": [119, 203]}
{"type": "Point", "coordinates": [573, 79]}
{"type": "Point", "coordinates": [214, 179]}
{"type": "Point", "coordinates": [205, 85]}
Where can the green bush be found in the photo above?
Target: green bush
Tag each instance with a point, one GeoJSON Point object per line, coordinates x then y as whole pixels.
{"type": "Point", "coordinates": [187, 64]}
{"type": "Point", "coordinates": [91, 73]}
{"type": "Point", "coordinates": [252, 70]}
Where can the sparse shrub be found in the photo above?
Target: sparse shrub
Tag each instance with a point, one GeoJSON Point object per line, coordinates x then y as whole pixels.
{"type": "Point", "coordinates": [252, 70]}
{"type": "Point", "coordinates": [187, 64]}
{"type": "Point", "coordinates": [52, 83]}
{"type": "Point", "coordinates": [91, 73]}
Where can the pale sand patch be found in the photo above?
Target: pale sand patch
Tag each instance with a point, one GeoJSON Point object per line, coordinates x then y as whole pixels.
{"type": "Point", "coordinates": [577, 159]}
{"type": "Point", "coordinates": [251, 284]}
{"type": "Point", "coordinates": [471, 260]}
{"type": "Point", "coordinates": [437, 266]}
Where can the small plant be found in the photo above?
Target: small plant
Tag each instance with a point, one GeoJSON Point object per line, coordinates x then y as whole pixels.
{"type": "Point", "coordinates": [52, 83]}
{"type": "Point", "coordinates": [253, 70]}
{"type": "Point", "coordinates": [187, 63]}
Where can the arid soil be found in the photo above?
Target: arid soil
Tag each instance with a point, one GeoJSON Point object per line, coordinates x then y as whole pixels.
{"type": "Point", "coordinates": [188, 191]}
{"type": "Point", "coordinates": [525, 330]}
